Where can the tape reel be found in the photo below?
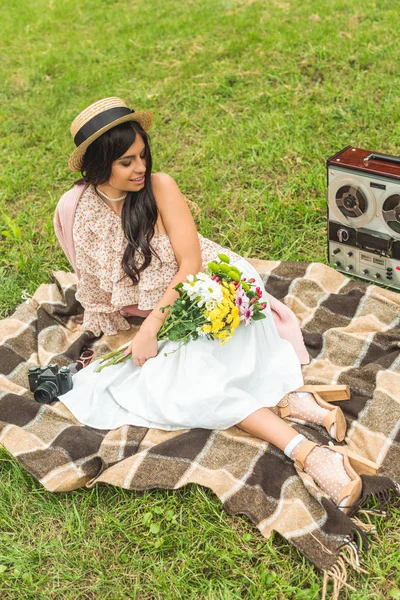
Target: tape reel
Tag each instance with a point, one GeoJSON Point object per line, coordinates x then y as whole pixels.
{"type": "Point", "coordinates": [351, 203]}
{"type": "Point", "coordinates": [391, 212]}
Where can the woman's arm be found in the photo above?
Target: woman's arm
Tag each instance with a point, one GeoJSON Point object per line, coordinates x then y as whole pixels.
{"type": "Point", "coordinates": [182, 232]}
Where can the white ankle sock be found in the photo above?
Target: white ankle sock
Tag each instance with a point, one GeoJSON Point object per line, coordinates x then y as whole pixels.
{"type": "Point", "coordinates": [293, 443]}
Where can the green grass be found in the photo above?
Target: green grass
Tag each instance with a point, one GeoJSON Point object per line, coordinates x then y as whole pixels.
{"type": "Point", "coordinates": [113, 544]}
{"type": "Point", "coordinates": [250, 99]}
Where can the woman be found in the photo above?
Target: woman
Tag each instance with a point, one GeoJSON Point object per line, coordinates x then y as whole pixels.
{"type": "Point", "coordinates": [131, 238]}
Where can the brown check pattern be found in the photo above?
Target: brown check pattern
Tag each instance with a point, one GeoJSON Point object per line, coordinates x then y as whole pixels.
{"type": "Point", "coordinates": [352, 331]}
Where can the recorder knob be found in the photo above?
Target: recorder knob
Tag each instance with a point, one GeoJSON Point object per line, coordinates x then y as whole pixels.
{"type": "Point", "coordinates": [349, 268]}
{"type": "Point", "coordinates": [336, 250]}
{"type": "Point", "coordinates": [377, 275]}
{"type": "Point", "coordinates": [365, 272]}
{"type": "Point", "coordinates": [349, 254]}
{"type": "Point", "coordinates": [343, 235]}
{"type": "Point", "coordinates": [337, 264]}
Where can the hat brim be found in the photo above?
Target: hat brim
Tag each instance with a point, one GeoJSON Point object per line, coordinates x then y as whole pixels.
{"type": "Point", "coordinates": [144, 117]}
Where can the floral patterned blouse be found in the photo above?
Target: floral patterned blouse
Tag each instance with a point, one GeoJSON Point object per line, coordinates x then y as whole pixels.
{"type": "Point", "coordinates": [104, 288]}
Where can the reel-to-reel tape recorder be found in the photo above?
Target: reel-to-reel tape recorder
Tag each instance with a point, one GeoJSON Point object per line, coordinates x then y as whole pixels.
{"type": "Point", "coordinates": [364, 215]}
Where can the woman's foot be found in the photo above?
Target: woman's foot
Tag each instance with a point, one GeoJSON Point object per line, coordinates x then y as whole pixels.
{"type": "Point", "coordinates": [311, 408]}
{"type": "Point", "coordinates": [326, 468]}
{"type": "Point", "coordinates": [332, 470]}
{"type": "Point", "coordinates": [303, 406]}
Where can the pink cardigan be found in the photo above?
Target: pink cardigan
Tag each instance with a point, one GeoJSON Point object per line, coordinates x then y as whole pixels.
{"type": "Point", "coordinates": [285, 320]}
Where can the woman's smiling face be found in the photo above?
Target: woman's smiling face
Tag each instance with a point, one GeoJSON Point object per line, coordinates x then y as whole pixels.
{"type": "Point", "coordinates": [128, 171]}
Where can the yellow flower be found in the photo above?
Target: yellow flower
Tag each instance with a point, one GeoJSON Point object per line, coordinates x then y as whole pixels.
{"type": "Point", "coordinates": [229, 318]}
{"type": "Point", "coordinates": [226, 291]}
{"type": "Point", "coordinates": [235, 311]}
{"type": "Point", "coordinates": [225, 308]}
{"type": "Point", "coordinates": [214, 314]}
{"type": "Point", "coordinates": [206, 328]}
{"type": "Point", "coordinates": [236, 322]}
{"type": "Point", "coordinates": [222, 334]}
{"type": "Point", "coordinates": [232, 288]}
{"type": "Point", "coordinates": [217, 326]}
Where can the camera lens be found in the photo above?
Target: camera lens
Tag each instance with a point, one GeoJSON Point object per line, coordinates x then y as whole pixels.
{"type": "Point", "coordinates": [46, 392]}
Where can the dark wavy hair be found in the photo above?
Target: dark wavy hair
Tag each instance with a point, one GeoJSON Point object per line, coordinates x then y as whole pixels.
{"type": "Point", "coordinates": [139, 213]}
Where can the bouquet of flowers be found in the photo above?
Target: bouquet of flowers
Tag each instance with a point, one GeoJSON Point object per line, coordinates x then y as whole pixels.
{"type": "Point", "coordinates": [212, 303]}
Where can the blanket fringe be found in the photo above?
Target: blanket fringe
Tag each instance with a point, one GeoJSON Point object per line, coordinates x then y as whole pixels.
{"type": "Point", "coordinates": [367, 527]}
{"type": "Point", "coordinates": [349, 554]}
{"type": "Point", "coordinates": [338, 572]}
{"type": "Point", "coordinates": [376, 513]}
{"type": "Point", "coordinates": [381, 496]}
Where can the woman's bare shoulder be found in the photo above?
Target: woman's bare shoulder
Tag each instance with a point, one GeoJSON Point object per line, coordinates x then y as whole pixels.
{"type": "Point", "coordinates": [162, 182]}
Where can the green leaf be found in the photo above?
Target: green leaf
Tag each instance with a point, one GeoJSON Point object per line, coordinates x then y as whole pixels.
{"type": "Point", "coordinates": [155, 528]}
{"type": "Point", "coordinates": [147, 517]}
{"type": "Point", "coordinates": [258, 316]}
{"type": "Point", "coordinates": [224, 268]}
{"type": "Point", "coordinates": [174, 336]}
{"type": "Point", "coordinates": [213, 266]}
{"type": "Point", "coordinates": [14, 231]}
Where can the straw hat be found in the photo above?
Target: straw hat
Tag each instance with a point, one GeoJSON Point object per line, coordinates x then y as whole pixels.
{"type": "Point", "coordinates": [99, 117]}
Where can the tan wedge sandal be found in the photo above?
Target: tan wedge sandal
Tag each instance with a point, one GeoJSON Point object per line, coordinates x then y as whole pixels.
{"type": "Point", "coordinates": [329, 393]}
{"type": "Point", "coordinates": [354, 465]}
{"type": "Point", "coordinates": [323, 394]}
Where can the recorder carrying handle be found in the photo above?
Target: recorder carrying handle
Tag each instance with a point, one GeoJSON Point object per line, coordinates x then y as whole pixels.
{"type": "Point", "coordinates": [383, 157]}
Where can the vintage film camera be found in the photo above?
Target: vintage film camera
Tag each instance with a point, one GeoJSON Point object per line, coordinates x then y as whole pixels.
{"type": "Point", "coordinates": [47, 383]}
{"type": "Point", "coordinates": [364, 215]}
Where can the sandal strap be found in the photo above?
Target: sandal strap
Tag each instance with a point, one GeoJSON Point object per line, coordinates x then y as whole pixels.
{"type": "Point", "coordinates": [306, 448]}
{"type": "Point", "coordinates": [284, 407]}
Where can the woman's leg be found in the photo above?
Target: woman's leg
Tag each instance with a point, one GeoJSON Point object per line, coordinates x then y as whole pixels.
{"type": "Point", "coordinates": [263, 423]}
{"type": "Point", "coordinates": [324, 465]}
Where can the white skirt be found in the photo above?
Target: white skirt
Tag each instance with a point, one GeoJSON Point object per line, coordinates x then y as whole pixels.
{"type": "Point", "coordinates": [203, 384]}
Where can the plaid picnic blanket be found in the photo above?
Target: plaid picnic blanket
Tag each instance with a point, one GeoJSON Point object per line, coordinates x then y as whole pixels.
{"type": "Point", "coordinates": [352, 331]}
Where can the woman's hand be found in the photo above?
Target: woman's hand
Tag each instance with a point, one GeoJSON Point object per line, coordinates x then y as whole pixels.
{"type": "Point", "coordinates": [143, 346]}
